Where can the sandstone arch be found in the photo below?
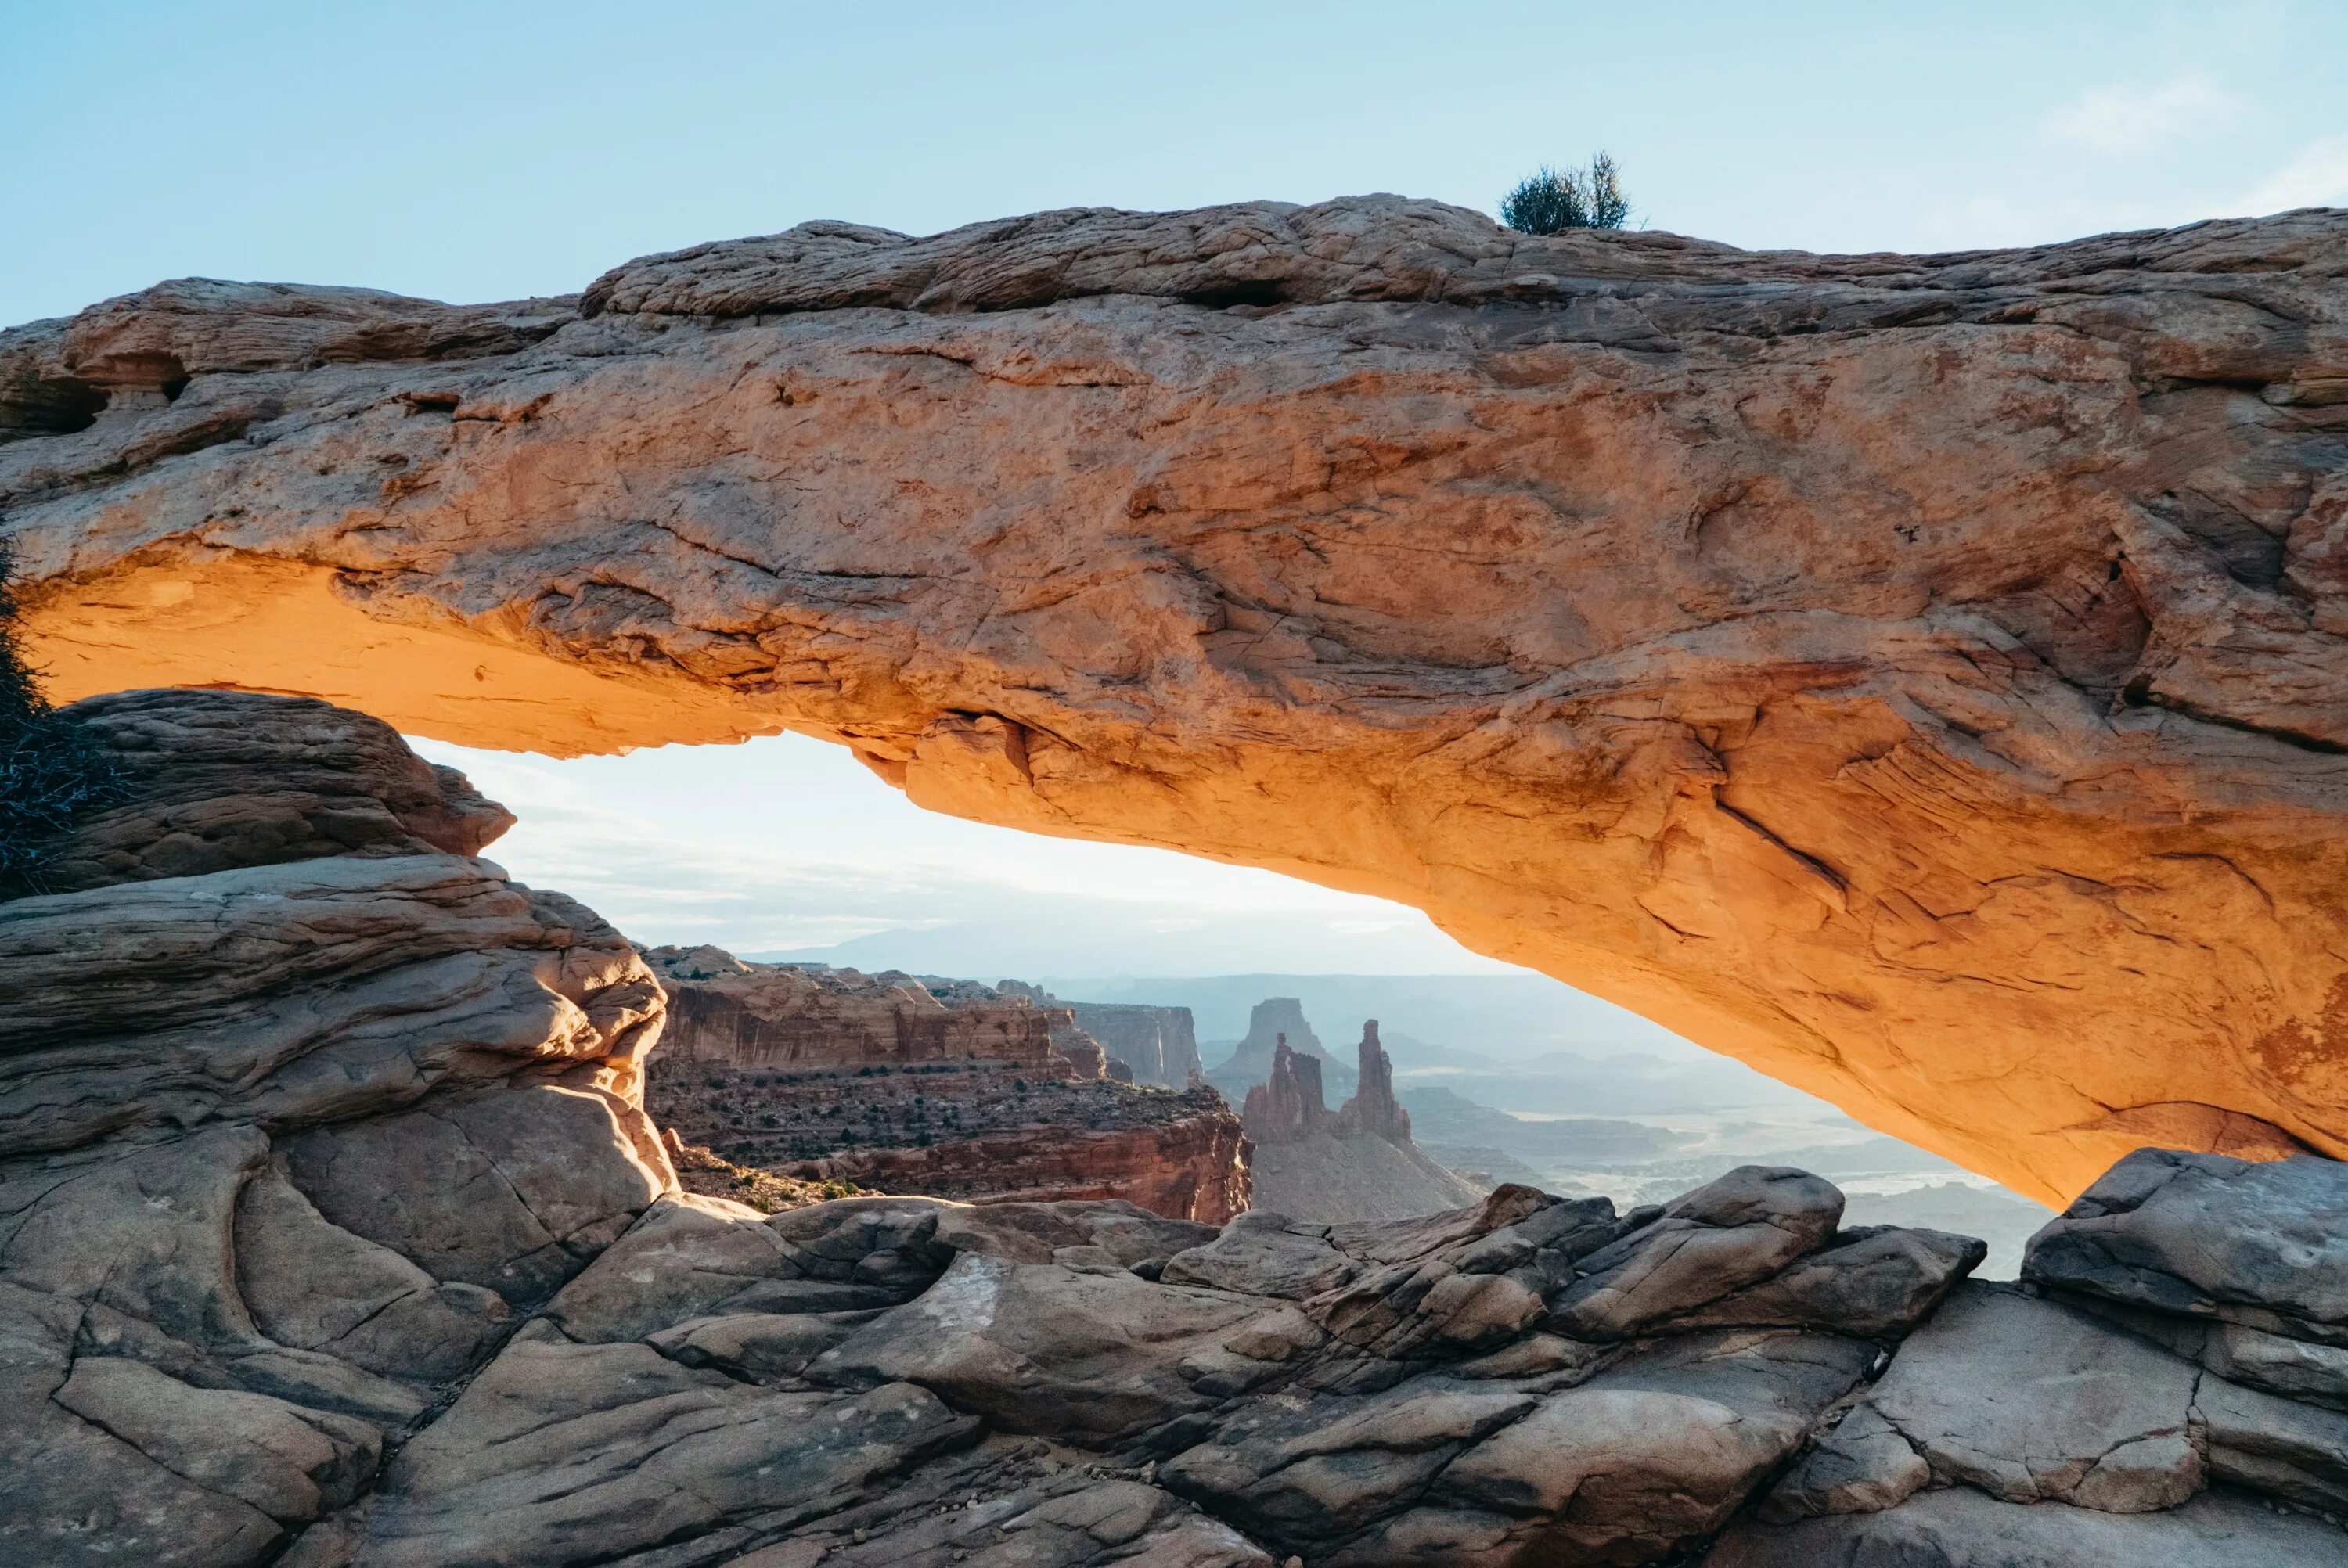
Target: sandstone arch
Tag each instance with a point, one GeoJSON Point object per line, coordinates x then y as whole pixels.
{"type": "Point", "coordinates": [1922, 678]}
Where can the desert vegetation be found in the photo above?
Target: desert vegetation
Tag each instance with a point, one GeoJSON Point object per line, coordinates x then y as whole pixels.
{"type": "Point", "coordinates": [1550, 200]}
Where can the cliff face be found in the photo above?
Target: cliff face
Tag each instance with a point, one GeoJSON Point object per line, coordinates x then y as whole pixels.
{"type": "Point", "coordinates": [1193, 1163]}
{"type": "Point", "coordinates": [947, 1088]}
{"type": "Point", "coordinates": [1922, 677]}
{"type": "Point", "coordinates": [1160, 1043]}
{"type": "Point", "coordinates": [779, 1015]}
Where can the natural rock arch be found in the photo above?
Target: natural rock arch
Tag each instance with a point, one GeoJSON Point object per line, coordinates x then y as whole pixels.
{"type": "Point", "coordinates": [1922, 676]}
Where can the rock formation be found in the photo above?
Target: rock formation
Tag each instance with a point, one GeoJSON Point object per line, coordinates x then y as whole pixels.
{"type": "Point", "coordinates": [2180, 1340]}
{"type": "Point", "coordinates": [1875, 667]}
{"type": "Point", "coordinates": [1275, 1021]}
{"type": "Point", "coordinates": [946, 1087]}
{"type": "Point", "coordinates": [332, 1235]}
{"type": "Point", "coordinates": [1288, 1105]}
{"type": "Point", "coordinates": [1357, 1163]}
{"type": "Point", "coordinates": [725, 1010]}
{"type": "Point", "coordinates": [1161, 1044]}
{"type": "Point", "coordinates": [1373, 1111]}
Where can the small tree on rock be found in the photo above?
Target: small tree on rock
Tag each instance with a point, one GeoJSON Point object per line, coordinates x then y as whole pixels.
{"type": "Point", "coordinates": [1554, 199]}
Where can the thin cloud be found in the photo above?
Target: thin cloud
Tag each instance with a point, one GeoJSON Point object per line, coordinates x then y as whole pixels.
{"type": "Point", "coordinates": [2132, 118]}
{"type": "Point", "coordinates": [2316, 176]}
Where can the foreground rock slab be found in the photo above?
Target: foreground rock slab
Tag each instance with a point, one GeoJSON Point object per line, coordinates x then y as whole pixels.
{"type": "Point", "coordinates": [1874, 667]}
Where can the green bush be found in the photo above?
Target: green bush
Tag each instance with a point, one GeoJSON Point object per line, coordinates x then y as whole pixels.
{"type": "Point", "coordinates": [1554, 199]}
{"type": "Point", "coordinates": [50, 773]}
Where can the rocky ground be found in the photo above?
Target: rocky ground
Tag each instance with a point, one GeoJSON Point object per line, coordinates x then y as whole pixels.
{"type": "Point", "coordinates": [333, 1235]}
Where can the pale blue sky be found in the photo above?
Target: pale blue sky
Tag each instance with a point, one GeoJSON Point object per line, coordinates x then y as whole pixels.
{"type": "Point", "coordinates": [497, 148]}
{"type": "Point", "coordinates": [494, 149]}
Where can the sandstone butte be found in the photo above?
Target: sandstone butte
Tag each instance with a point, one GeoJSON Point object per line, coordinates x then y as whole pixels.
{"type": "Point", "coordinates": [1925, 678]}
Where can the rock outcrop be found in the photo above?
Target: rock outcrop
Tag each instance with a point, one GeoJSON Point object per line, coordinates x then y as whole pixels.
{"type": "Point", "coordinates": [945, 1088]}
{"type": "Point", "coordinates": [1274, 1022]}
{"type": "Point", "coordinates": [332, 1235]}
{"type": "Point", "coordinates": [1373, 1111]}
{"type": "Point", "coordinates": [1874, 667]}
{"type": "Point", "coordinates": [304, 1111]}
{"type": "Point", "coordinates": [2180, 1339]}
{"type": "Point", "coordinates": [1356, 1163]}
{"type": "Point", "coordinates": [727, 1011]}
{"type": "Point", "coordinates": [1288, 1105]}
{"type": "Point", "coordinates": [1160, 1044]}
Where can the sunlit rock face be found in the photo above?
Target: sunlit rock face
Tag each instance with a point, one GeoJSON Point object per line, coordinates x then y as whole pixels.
{"type": "Point", "coordinates": [1922, 678]}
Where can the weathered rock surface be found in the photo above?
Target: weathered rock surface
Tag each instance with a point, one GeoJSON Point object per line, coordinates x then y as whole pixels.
{"type": "Point", "coordinates": [209, 781]}
{"type": "Point", "coordinates": [332, 1235]}
{"type": "Point", "coordinates": [1875, 667]}
{"type": "Point", "coordinates": [2078, 1392]}
{"type": "Point", "coordinates": [288, 1142]}
{"type": "Point", "coordinates": [1964, 1529]}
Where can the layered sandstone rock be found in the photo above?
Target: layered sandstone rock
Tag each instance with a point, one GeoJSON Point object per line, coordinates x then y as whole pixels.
{"type": "Point", "coordinates": [291, 1141]}
{"type": "Point", "coordinates": [2180, 1338]}
{"type": "Point", "coordinates": [796, 1016]}
{"type": "Point", "coordinates": [946, 1087]}
{"type": "Point", "coordinates": [1877, 667]}
{"type": "Point", "coordinates": [206, 781]}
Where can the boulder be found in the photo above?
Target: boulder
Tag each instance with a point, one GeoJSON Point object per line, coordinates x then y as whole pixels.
{"type": "Point", "coordinates": [2264, 1245]}
{"type": "Point", "coordinates": [1878, 1280]}
{"type": "Point", "coordinates": [2024, 1400]}
{"type": "Point", "coordinates": [1735, 1232]}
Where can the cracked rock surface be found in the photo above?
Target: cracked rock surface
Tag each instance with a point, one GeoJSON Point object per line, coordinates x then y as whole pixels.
{"type": "Point", "coordinates": [1875, 667]}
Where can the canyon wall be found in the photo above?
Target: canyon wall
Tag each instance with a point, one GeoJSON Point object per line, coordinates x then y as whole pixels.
{"type": "Point", "coordinates": [946, 1087]}
{"type": "Point", "coordinates": [1160, 1043]}
{"type": "Point", "coordinates": [723, 1010]}
{"type": "Point", "coordinates": [1925, 678]}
